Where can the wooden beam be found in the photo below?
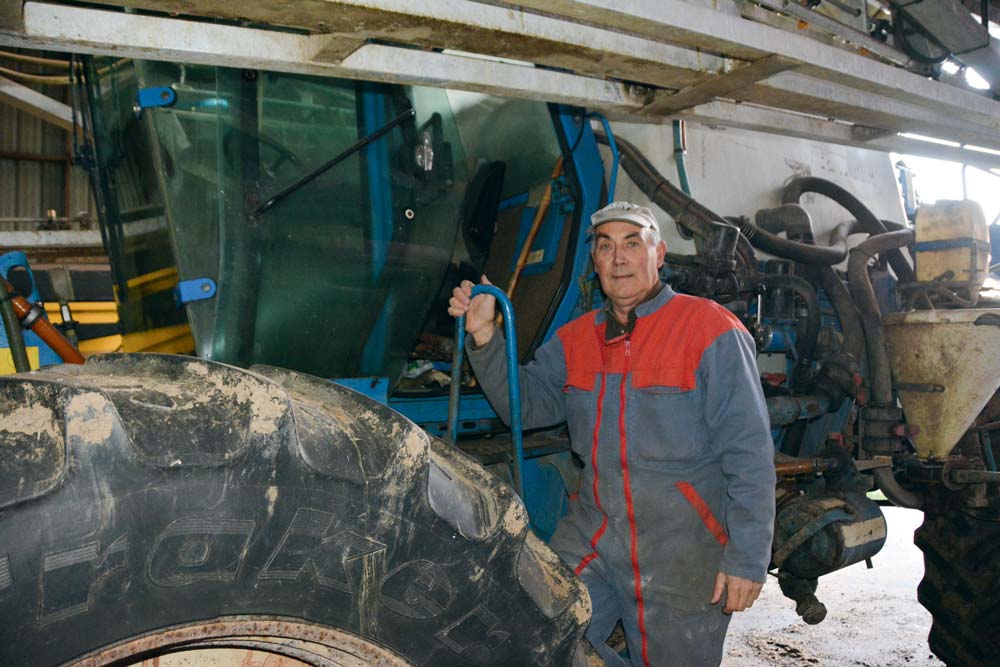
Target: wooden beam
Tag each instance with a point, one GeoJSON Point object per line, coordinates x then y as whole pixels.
{"type": "Point", "coordinates": [470, 27]}
{"type": "Point", "coordinates": [723, 85]}
{"type": "Point", "coordinates": [11, 15]}
{"type": "Point", "coordinates": [33, 102]}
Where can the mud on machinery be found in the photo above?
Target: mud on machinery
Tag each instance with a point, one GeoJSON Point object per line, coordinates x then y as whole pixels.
{"type": "Point", "coordinates": [153, 503]}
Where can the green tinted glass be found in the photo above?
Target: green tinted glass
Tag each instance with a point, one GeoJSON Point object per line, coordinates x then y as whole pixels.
{"type": "Point", "coordinates": [337, 277]}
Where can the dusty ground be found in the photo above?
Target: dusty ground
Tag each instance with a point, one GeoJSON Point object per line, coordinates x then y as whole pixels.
{"type": "Point", "coordinates": [873, 619]}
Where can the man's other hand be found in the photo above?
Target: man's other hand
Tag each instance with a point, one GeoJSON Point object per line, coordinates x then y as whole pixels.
{"type": "Point", "coordinates": [479, 312]}
{"type": "Point", "coordinates": [740, 593]}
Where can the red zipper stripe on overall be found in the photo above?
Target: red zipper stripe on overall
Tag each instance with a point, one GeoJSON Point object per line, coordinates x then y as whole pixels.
{"type": "Point", "coordinates": [593, 463]}
{"type": "Point", "coordinates": [627, 481]}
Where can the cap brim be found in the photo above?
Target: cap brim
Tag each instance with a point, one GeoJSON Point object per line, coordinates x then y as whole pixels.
{"type": "Point", "coordinates": [593, 226]}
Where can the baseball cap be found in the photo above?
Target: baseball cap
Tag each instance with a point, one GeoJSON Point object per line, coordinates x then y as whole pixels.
{"type": "Point", "coordinates": [623, 211]}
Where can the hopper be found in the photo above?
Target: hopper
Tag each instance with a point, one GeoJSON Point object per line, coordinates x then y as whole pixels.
{"type": "Point", "coordinates": [945, 367]}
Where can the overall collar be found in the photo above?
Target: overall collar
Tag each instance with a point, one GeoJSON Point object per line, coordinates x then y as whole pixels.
{"type": "Point", "coordinates": [616, 330]}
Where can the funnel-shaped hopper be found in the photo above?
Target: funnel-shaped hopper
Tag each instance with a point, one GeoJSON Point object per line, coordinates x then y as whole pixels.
{"type": "Point", "coordinates": [945, 367]}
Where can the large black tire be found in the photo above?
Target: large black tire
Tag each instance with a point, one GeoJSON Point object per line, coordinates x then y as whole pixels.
{"type": "Point", "coordinates": [150, 502]}
{"type": "Point", "coordinates": [961, 587]}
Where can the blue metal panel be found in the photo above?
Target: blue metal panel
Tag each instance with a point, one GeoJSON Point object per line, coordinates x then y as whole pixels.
{"type": "Point", "coordinates": [516, 200]}
{"type": "Point", "coordinates": [17, 259]}
{"type": "Point", "coordinates": [432, 413]}
{"type": "Point", "coordinates": [547, 498]}
{"type": "Point", "coordinates": [589, 170]}
{"type": "Point", "coordinates": [615, 156]}
{"type": "Point", "coordinates": [379, 182]}
{"type": "Point", "coordinates": [546, 241]}
{"type": "Point", "coordinates": [8, 262]}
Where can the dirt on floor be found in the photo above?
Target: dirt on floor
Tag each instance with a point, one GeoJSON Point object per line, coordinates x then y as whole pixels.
{"type": "Point", "coordinates": [873, 617]}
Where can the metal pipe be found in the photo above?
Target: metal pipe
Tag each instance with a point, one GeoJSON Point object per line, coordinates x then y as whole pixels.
{"type": "Point", "coordinates": [332, 162]}
{"type": "Point", "coordinates": [12, 327]}
{"type": "Point", "coordinates": [974, 477]}
{"type": "Point", "coordinates": [680, 148]}
{"type": "Point", "coordinates": [513, 379]}
{"type": "Point", "coordinates": [801, 467]}
{"type": "Point", "coordinates": [455, 388]}
{"type": "Point", "coordinates": [991, 463]}
{"type": "Point", "coordinates": [784, 410]}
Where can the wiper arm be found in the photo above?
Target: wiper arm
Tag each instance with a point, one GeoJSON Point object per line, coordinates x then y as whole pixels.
{"type": "Point", "coordinates": [340, 157]}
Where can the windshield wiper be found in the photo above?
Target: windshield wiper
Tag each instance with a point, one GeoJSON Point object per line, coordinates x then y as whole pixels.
{"type": "Point", "coordinates": [340, 157]}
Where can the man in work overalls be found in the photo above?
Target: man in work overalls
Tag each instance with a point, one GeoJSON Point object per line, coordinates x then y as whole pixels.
{"type": "Point", "coordinates": [672, 527]}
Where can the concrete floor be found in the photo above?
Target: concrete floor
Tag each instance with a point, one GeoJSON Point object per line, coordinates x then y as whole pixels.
{"type": "Point", "coordinates": [873, 619]}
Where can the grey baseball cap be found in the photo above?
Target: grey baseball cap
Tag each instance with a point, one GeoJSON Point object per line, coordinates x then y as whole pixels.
{"type": "Point", "coordinates": [623, 211]}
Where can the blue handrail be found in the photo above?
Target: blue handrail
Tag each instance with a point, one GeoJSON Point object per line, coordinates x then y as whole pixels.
{"type": "Point", "coordinates": [513, 384]}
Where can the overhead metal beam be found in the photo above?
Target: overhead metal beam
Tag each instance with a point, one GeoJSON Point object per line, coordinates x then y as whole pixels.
{"type": "Point", "coordinates": [35, 103]}
{"type": "Point", "coordinates": [115, 33]}
{"type": "Point", "coordinates": [627, 41]}
{"type": "Point", "coordinates": [753, 9]}
{"type": "Point", "coordinates": [468, 26]}
{"type": "Point", "coordinates": [685, 24]}
{"type": "Point", "coordinates": [83, 30]}
{"type": "Point", "coordinates": [804, 94]}
{"type": "Point", "coordinates": [762, 119]}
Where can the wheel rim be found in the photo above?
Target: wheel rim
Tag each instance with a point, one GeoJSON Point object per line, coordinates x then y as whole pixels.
{"type": "Point", "coordinates": [292, 638]}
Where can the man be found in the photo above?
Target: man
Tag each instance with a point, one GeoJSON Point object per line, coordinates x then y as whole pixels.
{"type": "Point", "coordinates": [672, 528]}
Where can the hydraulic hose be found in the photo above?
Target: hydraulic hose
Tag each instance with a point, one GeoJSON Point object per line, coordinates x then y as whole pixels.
{"type": "Point", "coordinates": [866, 220]}
{"type": "Point", "coordinates": [798, 243]}
{"type": "Point", "coordinates": [685, 210]}
{"type": "Point", "coordinates": [878, 358]}
{"type": "Point", "coordinates": [871, 319]}
{"type": "Point", "coordinates": [847, 311]}
{"type": "Point", "coordinates": [804, 253]}
{"type": "Point", "coordinates": [886, 480]}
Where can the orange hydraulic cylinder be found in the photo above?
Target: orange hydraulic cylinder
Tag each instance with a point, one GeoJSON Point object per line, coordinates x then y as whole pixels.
{"type": "Point", "coordinates": [47, 332]}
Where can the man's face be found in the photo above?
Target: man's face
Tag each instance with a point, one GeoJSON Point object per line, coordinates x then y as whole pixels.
{"type": "Point", "coordinates": [627, 261]}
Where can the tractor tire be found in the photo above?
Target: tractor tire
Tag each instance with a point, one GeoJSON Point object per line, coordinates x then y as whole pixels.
{"type": "Point", "coordinates": [961, 587]}
{"type": "Point", "coordinates": [157, 503]}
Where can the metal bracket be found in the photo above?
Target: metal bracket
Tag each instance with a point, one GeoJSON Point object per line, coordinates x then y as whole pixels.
{"type": "Point", "coordinates": [159, 96]}
{"type": "Point", "coordinates": [198, 289]}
